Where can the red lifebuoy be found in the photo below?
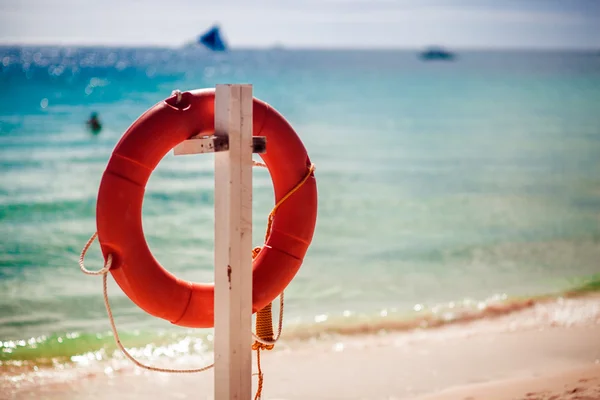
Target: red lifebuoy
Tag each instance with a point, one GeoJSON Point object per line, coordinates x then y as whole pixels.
{"type": "Point", "coordinates": [121, 194]}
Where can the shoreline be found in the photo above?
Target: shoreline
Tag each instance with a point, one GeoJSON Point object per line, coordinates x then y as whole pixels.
{"type": "Point", "coordinates": [511, 350]}
{"type": "Point", "coordinates": [67, 346]}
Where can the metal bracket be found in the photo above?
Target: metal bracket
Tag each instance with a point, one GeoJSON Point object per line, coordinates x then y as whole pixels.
{"type": "Point", "coordinates": [215, 143]}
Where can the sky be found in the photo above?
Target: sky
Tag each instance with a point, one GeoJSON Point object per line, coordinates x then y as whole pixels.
{"type": "Point", "coordinates": [544, 24]}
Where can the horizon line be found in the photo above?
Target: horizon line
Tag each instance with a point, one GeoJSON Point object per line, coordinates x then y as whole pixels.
{"type": "Point", "coordinates": [278, 46]}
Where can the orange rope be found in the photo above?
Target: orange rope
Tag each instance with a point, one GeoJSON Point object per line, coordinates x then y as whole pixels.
{"type": "Point", "coordinates": [311, 169]}
{"type": "Point", "coordinates": [264, 328]}
{"type": "Point", "coordinates": [264, 317]}
{"type": "Point", "coordinates": [260, 376]}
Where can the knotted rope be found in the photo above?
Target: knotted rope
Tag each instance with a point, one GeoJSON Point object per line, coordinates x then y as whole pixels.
{"type": "Point", "coordinates": [104, 272]}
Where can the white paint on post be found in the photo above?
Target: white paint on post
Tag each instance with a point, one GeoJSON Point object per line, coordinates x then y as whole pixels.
{"type": "Point", "coordinates": [233, 244]}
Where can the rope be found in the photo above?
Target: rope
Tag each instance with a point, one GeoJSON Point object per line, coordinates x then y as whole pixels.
{"type": "Point", "coordinates": [259, 385]}
{"type": "Point", "coordinates": [104, 273]}
{"type": "Point", "coordinates": [311, 169]}
{"type": "Point", "coordinates": [264, 337]}
{"type": "Point", "coordinates": [177, 93]}
{"type": "Point", "coordinates": [264, 328]}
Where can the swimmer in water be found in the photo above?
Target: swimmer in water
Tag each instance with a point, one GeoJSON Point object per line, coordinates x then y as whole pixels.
{"type": "Point", "coordinates": [94, 124]}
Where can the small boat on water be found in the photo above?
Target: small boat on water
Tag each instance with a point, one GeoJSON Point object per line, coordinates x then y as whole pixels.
{"type": "Point", "coordinates": [212, 39]}
{"type": "Point", "coordinates": [436, 53]}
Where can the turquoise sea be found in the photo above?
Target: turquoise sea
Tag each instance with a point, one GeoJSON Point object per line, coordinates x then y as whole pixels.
{"type": "Point", "coordinates": [444, 187]}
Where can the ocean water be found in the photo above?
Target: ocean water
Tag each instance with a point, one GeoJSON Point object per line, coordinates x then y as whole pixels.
{"type": "Point", "coordinates": [444, 187]}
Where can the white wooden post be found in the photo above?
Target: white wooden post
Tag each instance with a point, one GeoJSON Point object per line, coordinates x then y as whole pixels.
{"type": "Point", "coordinates": [233, 237]}
{"type": "Point", "coordinates": [233, 244]}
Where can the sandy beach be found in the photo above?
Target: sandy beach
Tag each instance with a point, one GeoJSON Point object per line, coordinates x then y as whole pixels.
{"type": "Point", "coordinates": [579, 383]}
{"type": "Point", "coordinates": [550, 351]}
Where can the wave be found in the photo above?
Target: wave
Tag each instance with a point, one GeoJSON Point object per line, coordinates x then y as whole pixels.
{"type": "Point", "coordinates": [63, 348]}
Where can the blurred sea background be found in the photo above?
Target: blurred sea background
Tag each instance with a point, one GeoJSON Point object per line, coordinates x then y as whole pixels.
{"type": "Point", "coordinates": [446, 189]}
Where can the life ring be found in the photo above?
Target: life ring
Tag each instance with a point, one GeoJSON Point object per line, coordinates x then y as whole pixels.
{"type": "Point", "coordinates": [121, 194]}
